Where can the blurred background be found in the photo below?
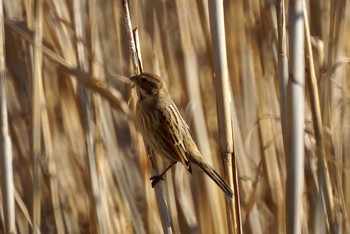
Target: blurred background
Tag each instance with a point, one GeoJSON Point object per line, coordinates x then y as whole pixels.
{"type": "Point", "coordinates": [79, 163]}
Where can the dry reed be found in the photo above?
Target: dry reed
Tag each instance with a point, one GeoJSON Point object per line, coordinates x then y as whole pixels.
{"type": "Point", "coordinates": [79, 165]}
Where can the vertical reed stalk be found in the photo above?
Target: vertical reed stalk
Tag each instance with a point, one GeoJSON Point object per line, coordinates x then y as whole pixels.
{"type": "Point", "coordinates": [295, 119]}
{"type": "Point", "coordinates": [87, 116]}
{"type": "Point", "coordinates": [283, 77]}
{"type": "Point", "coordinates": [5, 140]}
{"type": "Point", "coordinates": [322, 170]}
{"type": "Point", "coordinates": [217, 27]}
{"type": "Point", "coordinates": [136, 60]}
{"type": "Point", "coordinates": [100, 153]}
{"type": "Point", "coordinates": [36, 115]}
{"type": "Point", "coordinates": [282, 62]}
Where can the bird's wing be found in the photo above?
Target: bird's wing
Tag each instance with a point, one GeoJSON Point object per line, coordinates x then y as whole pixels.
{"type": "Point", "coordinates": [172, 130]}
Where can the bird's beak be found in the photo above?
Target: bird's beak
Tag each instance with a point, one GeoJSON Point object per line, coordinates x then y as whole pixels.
{"type": "Point", "coordinates": [134, 79]}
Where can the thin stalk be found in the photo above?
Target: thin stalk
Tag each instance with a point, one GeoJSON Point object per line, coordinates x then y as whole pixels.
{"type": "Point", "coordinates": [226, 132]}
{"type": "Point", "coordinates": [52, 180]}
{"type": "Point", "coordinates": [97, 220]}
{"type": "Point", "coordinates": [5, 140]}
{"type": "Point", "coordinates": [51, 164]}
{"type": "Point", "coordinates": [100, 151]}
{"type": "Point", "coordinates": [136, 60]}
{"type": "Point", "coordinates": [323, 173]}
{"type": "Point", "coordinates": [132, 44]}
{"type": "Point", "coordinates": [282, 61]}
{"type": "Point", "coordinates": [295, 119]}
{"type": "Point", "coordinates": [283, 77]}
{"type": "Point", "coordinates": [36, 116]}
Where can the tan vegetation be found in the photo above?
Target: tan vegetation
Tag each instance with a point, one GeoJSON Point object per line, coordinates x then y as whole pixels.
{"type": "Point", "coordinates": [79, 163]}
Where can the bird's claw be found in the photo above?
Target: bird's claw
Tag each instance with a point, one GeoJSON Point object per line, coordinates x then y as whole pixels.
{"type": "Point", "coordinates": [156, 179]}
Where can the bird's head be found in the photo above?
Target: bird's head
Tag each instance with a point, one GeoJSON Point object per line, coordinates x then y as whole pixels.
{"type": "Point", "coordinates": [148, 85]}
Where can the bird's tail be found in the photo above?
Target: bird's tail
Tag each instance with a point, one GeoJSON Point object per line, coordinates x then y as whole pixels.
{"type": "Point", "coordinates": [199, 161]}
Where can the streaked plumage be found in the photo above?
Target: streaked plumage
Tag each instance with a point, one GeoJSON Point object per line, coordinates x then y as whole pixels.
{"type": "Point", "coordinates": [164, 129]}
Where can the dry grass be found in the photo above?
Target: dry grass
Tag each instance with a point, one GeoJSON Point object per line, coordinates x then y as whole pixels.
{"type": "Point", "coordinates": [79, 164]}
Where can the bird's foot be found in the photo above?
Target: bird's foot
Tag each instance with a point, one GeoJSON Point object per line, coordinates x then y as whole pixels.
{"type": "Point", "coordinates": [156, 179]}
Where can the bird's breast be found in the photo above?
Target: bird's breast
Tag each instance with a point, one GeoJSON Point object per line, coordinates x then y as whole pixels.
{"type": "Point", "coordinates": [147, 119]}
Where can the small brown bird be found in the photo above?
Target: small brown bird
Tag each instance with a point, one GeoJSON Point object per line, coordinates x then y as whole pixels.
{"type": "Point", "coordinates": [165, 131]}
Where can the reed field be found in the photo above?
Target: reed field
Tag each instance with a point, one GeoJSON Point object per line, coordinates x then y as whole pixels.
{"type": "Point", "coordinates": [73, 160]}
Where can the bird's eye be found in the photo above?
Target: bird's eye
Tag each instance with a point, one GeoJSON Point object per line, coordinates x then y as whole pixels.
{"type": "Point", "coordinates": [144, 80]}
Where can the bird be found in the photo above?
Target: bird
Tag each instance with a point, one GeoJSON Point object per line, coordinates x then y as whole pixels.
{"type": "Point", "coordinates": [165, 131]}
